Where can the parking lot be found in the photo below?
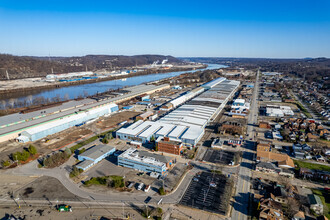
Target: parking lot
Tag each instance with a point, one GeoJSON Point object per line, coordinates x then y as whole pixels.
{"type": "Point", "coordinates": [208, 192]}
{"type": "Point", "coordinates": [219, 156]}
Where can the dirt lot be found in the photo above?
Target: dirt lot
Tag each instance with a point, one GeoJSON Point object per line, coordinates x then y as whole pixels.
{"type": "Point", "coordinates": [9, 183]}
{"type": "Point", "coordinates": [114, 120]}
{"type": "Point", "coordinates": [61, 139]}
{"type": "Point", "coordinates": [47, 188]}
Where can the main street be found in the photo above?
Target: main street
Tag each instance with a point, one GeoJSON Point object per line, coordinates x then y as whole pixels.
{"type": "Point", "coordinates": [242, 197]}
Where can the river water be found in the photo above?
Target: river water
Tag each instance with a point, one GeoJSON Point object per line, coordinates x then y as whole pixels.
{"type": "Point", "coordinates": [84, 90]}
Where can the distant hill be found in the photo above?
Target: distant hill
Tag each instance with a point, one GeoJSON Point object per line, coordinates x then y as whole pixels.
{"type": "Point", "coordinates": [25, 66]}
{"type": "Point", "coordinates": [311, 68]}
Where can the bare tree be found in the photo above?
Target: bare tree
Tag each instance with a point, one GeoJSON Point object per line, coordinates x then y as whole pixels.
{"type": "Point", "coordinates": [11, 102]}
{"type": "Point", "coordinates": [29, 99]}
{"type": "Point", "coordinates": [293, 207]}
{"type": "Point", "coordinates": [3, 104]}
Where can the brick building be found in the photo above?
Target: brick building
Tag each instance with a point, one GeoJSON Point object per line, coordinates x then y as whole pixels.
{"type": "Point", "coordinates": [169, 146]}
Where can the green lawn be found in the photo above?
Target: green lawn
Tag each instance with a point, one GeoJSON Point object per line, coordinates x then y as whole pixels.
{"type": "Point", "coordinates": [313, 166]}
{"type": "Point", "coordinates": [325, 198]}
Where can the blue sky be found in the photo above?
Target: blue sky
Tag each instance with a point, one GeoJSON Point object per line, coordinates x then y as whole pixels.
{"type": "Point", "coordinates": [241, 28]}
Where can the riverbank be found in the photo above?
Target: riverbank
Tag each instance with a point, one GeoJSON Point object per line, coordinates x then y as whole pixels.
{"type": "Point", "coordinates": [36, 84]}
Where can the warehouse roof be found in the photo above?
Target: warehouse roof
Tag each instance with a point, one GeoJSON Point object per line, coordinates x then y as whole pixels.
{"type": "Point", "coordinates": [84, 164]}
{"type": "Point", "coordinates": [144, 157]}
{"type": "Point", "coordinates": [213, 83]}
{"type": "Point", "coordinates": [67, 119]}
{"type": "Point", "coordinates": [97, 151]}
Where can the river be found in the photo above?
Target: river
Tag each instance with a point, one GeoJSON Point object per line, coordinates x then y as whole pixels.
{"type": "Point", "coordinates": [84, 90]}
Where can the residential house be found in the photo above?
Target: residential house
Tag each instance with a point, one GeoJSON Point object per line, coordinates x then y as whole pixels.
{"type": "Point", "coordinates": [320, 158]}
{"type": "Point", "coordinates": [315, 204]}
{"type": "Point", "coordinates": [280, 195]}
{"type": "Point", "coordinates": [326, 151]}
{"type": "Point", "coordinates": [299, 216]}
{"type": "Point", "coordinates": [263, 124]}
{"type": "Point", "coordinates": [299, 154]}
{"type": "Point", "coordinates": [312, 137]}
{"type": "Point", "coordinates": [270, 210]}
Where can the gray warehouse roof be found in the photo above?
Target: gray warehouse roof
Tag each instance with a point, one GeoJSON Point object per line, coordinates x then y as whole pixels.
{"type": "Point", "coordinates": [97, 151]}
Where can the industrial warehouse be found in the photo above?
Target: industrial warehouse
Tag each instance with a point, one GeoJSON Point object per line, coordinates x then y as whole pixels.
{"type": "Point", "coordinates": [42, 131]}
{"type": "Point", "coordinates": [144, 161]}
{"type": "Point", "coordinates": [94, 155]}
{"type": "Point", "coordinates": [187, 122]}
{"type": "Point", "coordinates": [63, 116]}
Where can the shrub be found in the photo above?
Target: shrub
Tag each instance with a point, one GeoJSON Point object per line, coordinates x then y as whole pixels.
{"type": "Point", "coordinates": [32, 150]}
{"type": "Point", "coordinates": [109, 135]}
{"type": "Point", "coordinates": [96, 181]}
{"type": "Point", "coordinates": [161, 191]}
{"type": "Point", "coordinates": [117, 181]}
{"type": "Point", "coordinates": [75, 172]}
{"type": "Point", "coordinates": [82, 151]}
{"type": "Point", "coordinates": [105, 140]}
{"type": "Point", "coordinates": [20, 156]}
{"type": "Point", "coordinates": [67, 151]}
{"type": "Point", "coordinates": [5, 163]}
{"type": "Point", "coordinates": [55, 159]}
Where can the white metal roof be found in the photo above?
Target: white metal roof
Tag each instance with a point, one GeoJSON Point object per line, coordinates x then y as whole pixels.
{"type": "Point", "coordinates": [177, 131]}
{"type": "Point", "coordinates": [192, 133]}
{"type": "Point", "coordinates": [166, 128]}
{"type": "Point", "coordinates": [133, 154]}
{"type": "Point", "coordinates": [151, 130]}
{"type": "Point", "coordinates": [213, 82]}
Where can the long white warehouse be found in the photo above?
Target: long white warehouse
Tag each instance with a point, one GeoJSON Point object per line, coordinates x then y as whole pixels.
{"type": "Point", "coordinates": [61, 124]}
{"type": "Point", "coordinates": [186, 123]}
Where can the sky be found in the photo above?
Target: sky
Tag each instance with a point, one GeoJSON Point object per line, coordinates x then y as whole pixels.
{"type": "Point", "coordinates": [208, 28]}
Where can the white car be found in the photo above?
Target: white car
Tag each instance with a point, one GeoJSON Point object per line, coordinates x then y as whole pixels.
{"type": "Point", "coordinates": [140, 186]}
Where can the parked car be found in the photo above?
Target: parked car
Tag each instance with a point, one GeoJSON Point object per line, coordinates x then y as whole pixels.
{"type": "Point", "coordinates": [147, 188]}
{"type": "Point", "coordinates": [140, 186]}
{"type": "Point", "coordinates": [130, 185]}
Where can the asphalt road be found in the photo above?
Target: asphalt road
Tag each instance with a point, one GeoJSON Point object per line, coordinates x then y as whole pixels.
{"type": "Point", "coordinates": [62, 174]}
{"type": "Point", "coordinates": [242, 197]}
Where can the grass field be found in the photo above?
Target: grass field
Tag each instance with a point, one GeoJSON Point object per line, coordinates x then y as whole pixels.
{"type": "Point", "coordinates": [313, 166]}
{"type": "Point", "coordinates": [325, 197]}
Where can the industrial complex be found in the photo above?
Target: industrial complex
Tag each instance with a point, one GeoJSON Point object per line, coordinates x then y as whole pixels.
{"type": "Point", "coordinates": [187, 122]}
